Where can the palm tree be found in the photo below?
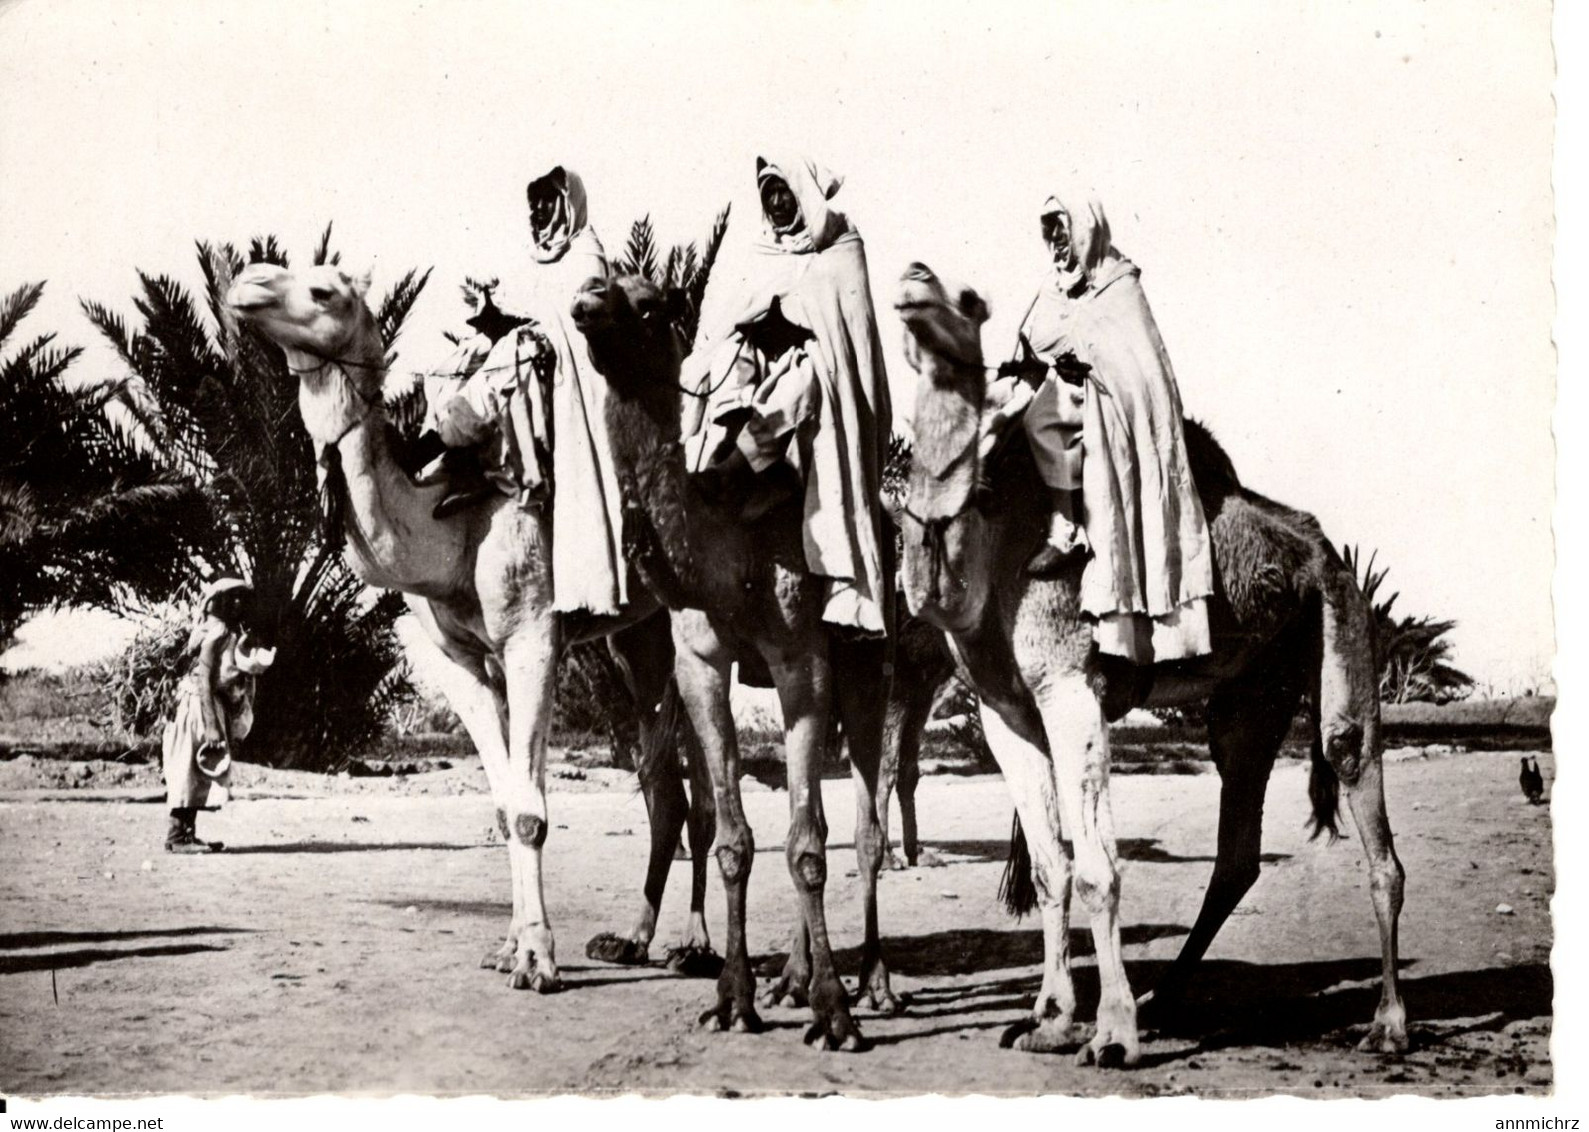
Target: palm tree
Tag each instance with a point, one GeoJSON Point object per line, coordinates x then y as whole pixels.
{"type": "Point", "coordinates": [85, 511]}
{"type": "Point", "coordinates": [683, 268]}
{"type": "Point", "coordinates": [1412, 653]}
{"type": "Point", "coordinates": [218, 410]}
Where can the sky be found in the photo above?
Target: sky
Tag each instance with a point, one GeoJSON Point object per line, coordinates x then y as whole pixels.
{"type": "Point", "coordinates": [1342, 211]}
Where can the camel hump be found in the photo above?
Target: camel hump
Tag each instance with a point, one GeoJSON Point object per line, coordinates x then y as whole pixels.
{"type": "Point", "coordinates": [1212, 470]}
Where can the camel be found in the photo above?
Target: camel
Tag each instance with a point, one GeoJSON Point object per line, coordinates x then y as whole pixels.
{"type": "Point", "coordinates": [743, 587]}
{"type": "Point", "coordinates": [1287, 619]}
{"type": "Point", "coordinates": [479, 582]}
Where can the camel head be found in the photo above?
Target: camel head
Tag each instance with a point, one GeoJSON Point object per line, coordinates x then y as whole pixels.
{"type": "Point", "coordinates": [940, 317]}
{"type": "Point", "coordinates": [948, 546]}
{"type": "Point", "coordinates": [628, 324]}
{"type": "Point", "coordinates": [332, 342]}
{"type": "Point", "coordinates": [318, 313]}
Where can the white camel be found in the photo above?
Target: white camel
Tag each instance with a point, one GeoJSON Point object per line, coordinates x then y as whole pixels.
{"type": "Point", "coordinates": [479, 582]}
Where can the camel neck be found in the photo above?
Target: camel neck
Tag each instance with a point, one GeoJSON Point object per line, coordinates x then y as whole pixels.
{"type": "Point", "coordinates": [393, 542]}
{"type": "Point", "coordinates": [949, 402]}
{"type": "Point", "coordinates": [673, 527]}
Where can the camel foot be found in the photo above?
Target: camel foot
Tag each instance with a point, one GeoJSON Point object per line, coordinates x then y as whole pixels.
{"type": "Point", "coordinates": [494, 959]}
{"type": "Point", "coordinates": [693, 961]}
{"type": "Point", "coordinates": [1116, 1044]}
{"type": "Point", "coordinates": [528, 975]}
{"type": "Point", "coordinates": [1048, 1035]}
{"type": "Point", "coordinates": [729, 1017]}
{"type": "Point", "coordinates": [1109, 1055]}
{"type": "Point", "coordinates": [835, 1031]}
{"type": "Point", "coordinates": [788, 989]}
{"type": "Point", "coordinates": [875, 992]}
{"type": "Point", "coordinates": [784, 991]}
{"type": "Point", "coordinates": [879, 998]}
{"type": "Point", "coordinates": [921, 859]}
{"type": "Point", "coordinates": [832, 1027]}
{"type": "Point", "coordinates": [610, 947]}
{"type": "Point", "coordinates": [1385, 1037]}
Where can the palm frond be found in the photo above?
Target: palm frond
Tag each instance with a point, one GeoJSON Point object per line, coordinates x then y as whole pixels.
{"type": "Point", "coordinates": [397, 304]}
{"type": "Point", "coordinates": [266, 250]}
{"type": "Point", "coordinates": [640, 252]}
{"type": "Point", "coordinates": [16, 306]}
{"type": "Point", "coordinates": [19, 512]}
{"type": "Point", "coordinates": [322, 251]}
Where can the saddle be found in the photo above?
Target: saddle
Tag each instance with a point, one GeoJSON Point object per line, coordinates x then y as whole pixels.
{"type": "Point", "coordinates": [726, 479]}
{"type": "Point", "coordinates": [511, 454]}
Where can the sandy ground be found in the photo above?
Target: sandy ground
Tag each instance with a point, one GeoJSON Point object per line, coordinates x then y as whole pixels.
{"type": "Point", "coordinates": [334, 946]}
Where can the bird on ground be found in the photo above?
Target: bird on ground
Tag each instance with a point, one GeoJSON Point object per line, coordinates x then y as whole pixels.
{"type": "Point", "coordinates": [1532, 782]}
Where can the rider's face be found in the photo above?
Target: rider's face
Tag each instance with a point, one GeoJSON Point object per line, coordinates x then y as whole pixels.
{"type": "Point", "coordinates": [779, 202]}
{"type": "Point", "coordinates": [543, 207]}
{"type": "Point", "coordinates": [1056, 234]}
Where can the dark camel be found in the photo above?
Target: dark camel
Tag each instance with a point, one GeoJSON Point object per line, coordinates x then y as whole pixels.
{"type": "Point", "coordinates": [740, 588]}
{"type": "Point", "coordinates": [1288, 619]}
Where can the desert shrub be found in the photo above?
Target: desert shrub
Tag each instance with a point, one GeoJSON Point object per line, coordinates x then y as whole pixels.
{"type": "Point", "coordinates": [592, 704]}
{"type": "Point", "coordinates": [31, 699]}
{"type": "Point", "coordinates": [424, 714]}
{"type": "Point", "coordinates": [142, 681]}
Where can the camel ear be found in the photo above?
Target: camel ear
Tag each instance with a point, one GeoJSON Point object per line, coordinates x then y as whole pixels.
{"type": "Point", "coordinates": [972, 305]}
{"type": "Point", "coordinates": [678, 302]}
{"type": "Point", "coordinates": [361, 282]}
{"type": "Point", "coordinates": [761, 163]}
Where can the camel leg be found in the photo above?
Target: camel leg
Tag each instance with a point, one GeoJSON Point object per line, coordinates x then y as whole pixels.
{"type": "Point", "coordinates": [1079, 741]}
{"type": "Point", "coordinates": [477, 699]}
{"type": "Point", "coordinates": [702, 668]}
{"type": "Point", "coordinates": [529, 663]}
{"type": "Point", "coordinates": [1245, 730]}
{"type": "Point", "coordinates": [803, 678]}
{"type": "Point", "coordinates": [644, 656]}
{"type": "Point", "coordinates": [860, 693]}
{"type": "Point", "coordinates": [1366, 796]}
{"type": "Point", "coordinates": [909, 704]}
{"type": "Point", "coordinates": [1349, 736]}
{"type": "Point", "coordinates": [693, 956]}
{"type": "Point", "coordinates": [1052, 1026]}
{"type": "Point", "coordinates": [792, 986]}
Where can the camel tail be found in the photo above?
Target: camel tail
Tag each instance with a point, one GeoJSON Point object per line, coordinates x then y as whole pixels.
{"type": "Point", "coordinates": [660, 740]}
{"type": "Point", "coordinates": [1016, 887]}
{"type": "Point", "coordinates": [1324, 789]}
{"type": "Point", "coordinates": [1346, 697]}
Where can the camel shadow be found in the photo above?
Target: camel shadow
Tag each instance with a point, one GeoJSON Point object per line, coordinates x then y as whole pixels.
{"type": "Point", "coordinates": [969, 951]}
{"type": "Point", "coordinates": [1144, 849]}
{"type": "Point", "coordinates": [1270, 1005]}
{"type": "Point", "coordinates": [352, 847]}
{"type": "Point", "coordinates": [64, 960]}
{"type": "Point", "coordinates": [494, 909]}
{"type": "Point", "coordinates": [12, 941]}
{"type": "Point", "coordinates": [1232, 1003]}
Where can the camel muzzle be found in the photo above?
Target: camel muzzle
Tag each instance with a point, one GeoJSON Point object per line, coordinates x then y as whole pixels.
{"type": "Point", "coordinates": [245, 297]}
{"type": "Point", "coordinates": [255, 287]}
{"type": "Point", "coordinates": [589, 308]}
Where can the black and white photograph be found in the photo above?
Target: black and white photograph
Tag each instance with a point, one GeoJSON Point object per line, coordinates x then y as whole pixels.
{"type": "Point", "coordinates": [784, 549]}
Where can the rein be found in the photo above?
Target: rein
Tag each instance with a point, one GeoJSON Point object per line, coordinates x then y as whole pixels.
{"type": "Point", "coordinates": [333, 479]}
{"type": "Point", "coordinates": [934, 529]}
